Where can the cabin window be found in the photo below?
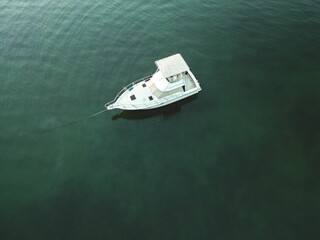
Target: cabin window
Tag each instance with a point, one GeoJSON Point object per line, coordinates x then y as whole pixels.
{"type": "Point", "coordinates": [133, 97]}
{"type": "Point", "coordinates": [150, 98]}
{"type": "Point", "coordinates": [144, 85]}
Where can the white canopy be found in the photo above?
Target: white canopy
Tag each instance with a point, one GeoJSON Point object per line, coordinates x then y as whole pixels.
{"type": "Point", "coordinates": [172, 65]}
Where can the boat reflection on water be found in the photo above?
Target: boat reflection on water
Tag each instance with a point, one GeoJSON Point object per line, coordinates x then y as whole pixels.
{"type": "Point", "coordinates": [165, 111]}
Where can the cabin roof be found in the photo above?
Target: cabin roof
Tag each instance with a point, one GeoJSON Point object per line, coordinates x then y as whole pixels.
{"type": "Point", "coordinates": [172, 65]}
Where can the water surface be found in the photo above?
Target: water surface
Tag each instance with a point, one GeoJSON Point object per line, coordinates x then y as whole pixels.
{"type": "Point", "coordinates": [239, 161]}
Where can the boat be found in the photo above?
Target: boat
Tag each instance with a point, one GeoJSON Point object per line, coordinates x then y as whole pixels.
{"type": "Point", "coordinates": [172, 82]}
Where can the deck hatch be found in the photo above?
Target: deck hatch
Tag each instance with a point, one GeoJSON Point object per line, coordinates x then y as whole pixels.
{"type": "Point", "coordinates": [133, 97]}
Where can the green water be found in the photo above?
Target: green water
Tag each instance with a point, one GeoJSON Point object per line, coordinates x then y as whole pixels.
{"type": "Point", "coordinates": [239, 161]}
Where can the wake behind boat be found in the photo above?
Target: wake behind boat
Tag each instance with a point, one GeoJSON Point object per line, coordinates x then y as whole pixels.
{"type": "Point", "coordinates": [173, 81]}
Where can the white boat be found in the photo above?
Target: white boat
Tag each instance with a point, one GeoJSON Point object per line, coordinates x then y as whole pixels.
{"type": "Point", "coordinates": [172, 82]}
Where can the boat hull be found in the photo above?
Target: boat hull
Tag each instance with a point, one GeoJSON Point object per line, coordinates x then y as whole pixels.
{"type": "Point", "coordinates": [158, 105]}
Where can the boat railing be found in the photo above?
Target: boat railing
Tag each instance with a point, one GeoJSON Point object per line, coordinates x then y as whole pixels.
{"type": "Point", "coordinates": [126, 88]}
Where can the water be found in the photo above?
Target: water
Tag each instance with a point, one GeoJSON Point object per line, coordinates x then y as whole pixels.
{"type": "Point", "coordinates": [239, 161]}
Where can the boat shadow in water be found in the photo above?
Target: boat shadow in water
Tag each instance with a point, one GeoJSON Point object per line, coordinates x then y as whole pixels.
{"type": "Point", "coordinates": [166, 111]}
